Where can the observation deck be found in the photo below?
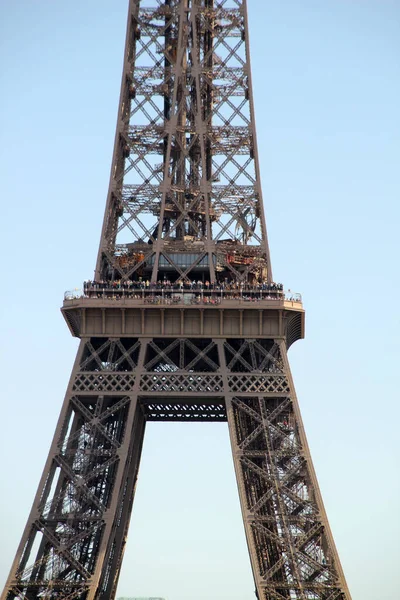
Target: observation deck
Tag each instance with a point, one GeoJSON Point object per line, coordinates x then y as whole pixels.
{"type": "Point", "coordinates": [103, 310]}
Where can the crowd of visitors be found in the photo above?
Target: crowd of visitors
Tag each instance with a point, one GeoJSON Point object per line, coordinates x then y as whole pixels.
{"type": "Point", "coordinates": [181, 285]}
{"type": "Point", "coordinates": [178, 292]}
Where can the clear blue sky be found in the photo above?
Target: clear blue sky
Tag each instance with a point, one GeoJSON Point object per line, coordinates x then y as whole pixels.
{"type": "Point", "coordinates": [327, 91]}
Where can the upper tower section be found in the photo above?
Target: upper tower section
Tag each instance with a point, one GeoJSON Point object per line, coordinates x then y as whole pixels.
{"type": "Point", "coordinates": [185, 200]}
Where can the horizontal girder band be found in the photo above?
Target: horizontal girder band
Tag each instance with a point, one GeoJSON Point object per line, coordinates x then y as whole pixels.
{"type": "Point", "coordinates": [183, 410]}
{"type": "Point", "coordinates": [264, 319]}
{"type": "Point", "coordinates": [178, 384]}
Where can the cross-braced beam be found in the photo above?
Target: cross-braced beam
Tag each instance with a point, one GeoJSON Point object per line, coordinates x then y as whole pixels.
{"type": "Point", "coordinates": [185, 197]}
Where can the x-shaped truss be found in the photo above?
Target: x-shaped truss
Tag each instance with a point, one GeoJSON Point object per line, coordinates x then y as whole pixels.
{"type": "Point", "coordinates": [293, 552]}
{"type": "Point", "coordinates": [185, 162]}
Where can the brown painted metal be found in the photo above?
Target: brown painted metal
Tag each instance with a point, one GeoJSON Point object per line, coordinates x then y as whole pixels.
{"type": "Point", "coordinates": [184, 203]}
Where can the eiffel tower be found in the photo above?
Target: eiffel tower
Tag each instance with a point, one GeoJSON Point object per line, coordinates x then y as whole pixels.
{"type": "Point", "coordinates": [182, 322]}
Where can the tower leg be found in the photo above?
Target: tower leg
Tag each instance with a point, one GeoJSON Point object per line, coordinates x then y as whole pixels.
{"type": "Point", "coordinates": [73, 542]}
{"type": "Point", "coordinates": [291, 548]}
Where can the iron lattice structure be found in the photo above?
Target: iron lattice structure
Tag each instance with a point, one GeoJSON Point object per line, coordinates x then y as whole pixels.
{"type": "Point", "coordinates": [184, 206]}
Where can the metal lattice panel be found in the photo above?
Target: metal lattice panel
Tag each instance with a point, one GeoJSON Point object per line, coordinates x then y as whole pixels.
{"type": "Point", "coordinates": [253, 355]}
{"type": "Point", "coordinates": [185, 171]}
{"type": "Point", "coordinates": [180, 410]}
{"type": "Point", "coordinates": [292, 551]}
{"type": "Point", "coordinates": [274, 384]}
{"type": "Point", "coordinates": [74, 498]}
{"type": "Point", "coordinates": [103, 354]}
{"type": "Point", "coordinates": [166, 355]}
{"type": "Point", "coordinates": [103, 382]}
{"type": "Point", "coordinates": [181, 383]}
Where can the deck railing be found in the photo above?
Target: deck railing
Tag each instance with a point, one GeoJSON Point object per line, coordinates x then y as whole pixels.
{"type": "Point", "coordinates": [183, 296]}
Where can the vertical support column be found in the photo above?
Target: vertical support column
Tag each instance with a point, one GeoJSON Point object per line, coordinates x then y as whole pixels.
{"type": "Point", "coordinates": [85, 493]}
{"type": "Point", "coordinates": [333, 553]}
{"type": "Point", "coordinates": [162, 318]}
{"type": "Point", "coordinates": [254, 141]}
{"type": "Point", "coordinates": [246, 515]}
{"type": "Point", "coordinates": [123, 320]}
{"type": "Point", "coordinates": [291, 548]}
{"type": "Point", "coordinates": [118, 517]}
{"type": "Point", "coordinates": [122, 123]}
{"type": "Point", "coordinates": [83, 328]}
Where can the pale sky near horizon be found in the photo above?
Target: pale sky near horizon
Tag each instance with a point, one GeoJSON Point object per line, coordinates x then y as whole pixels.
{"type": "Point", "coordinates": [326, 76]}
